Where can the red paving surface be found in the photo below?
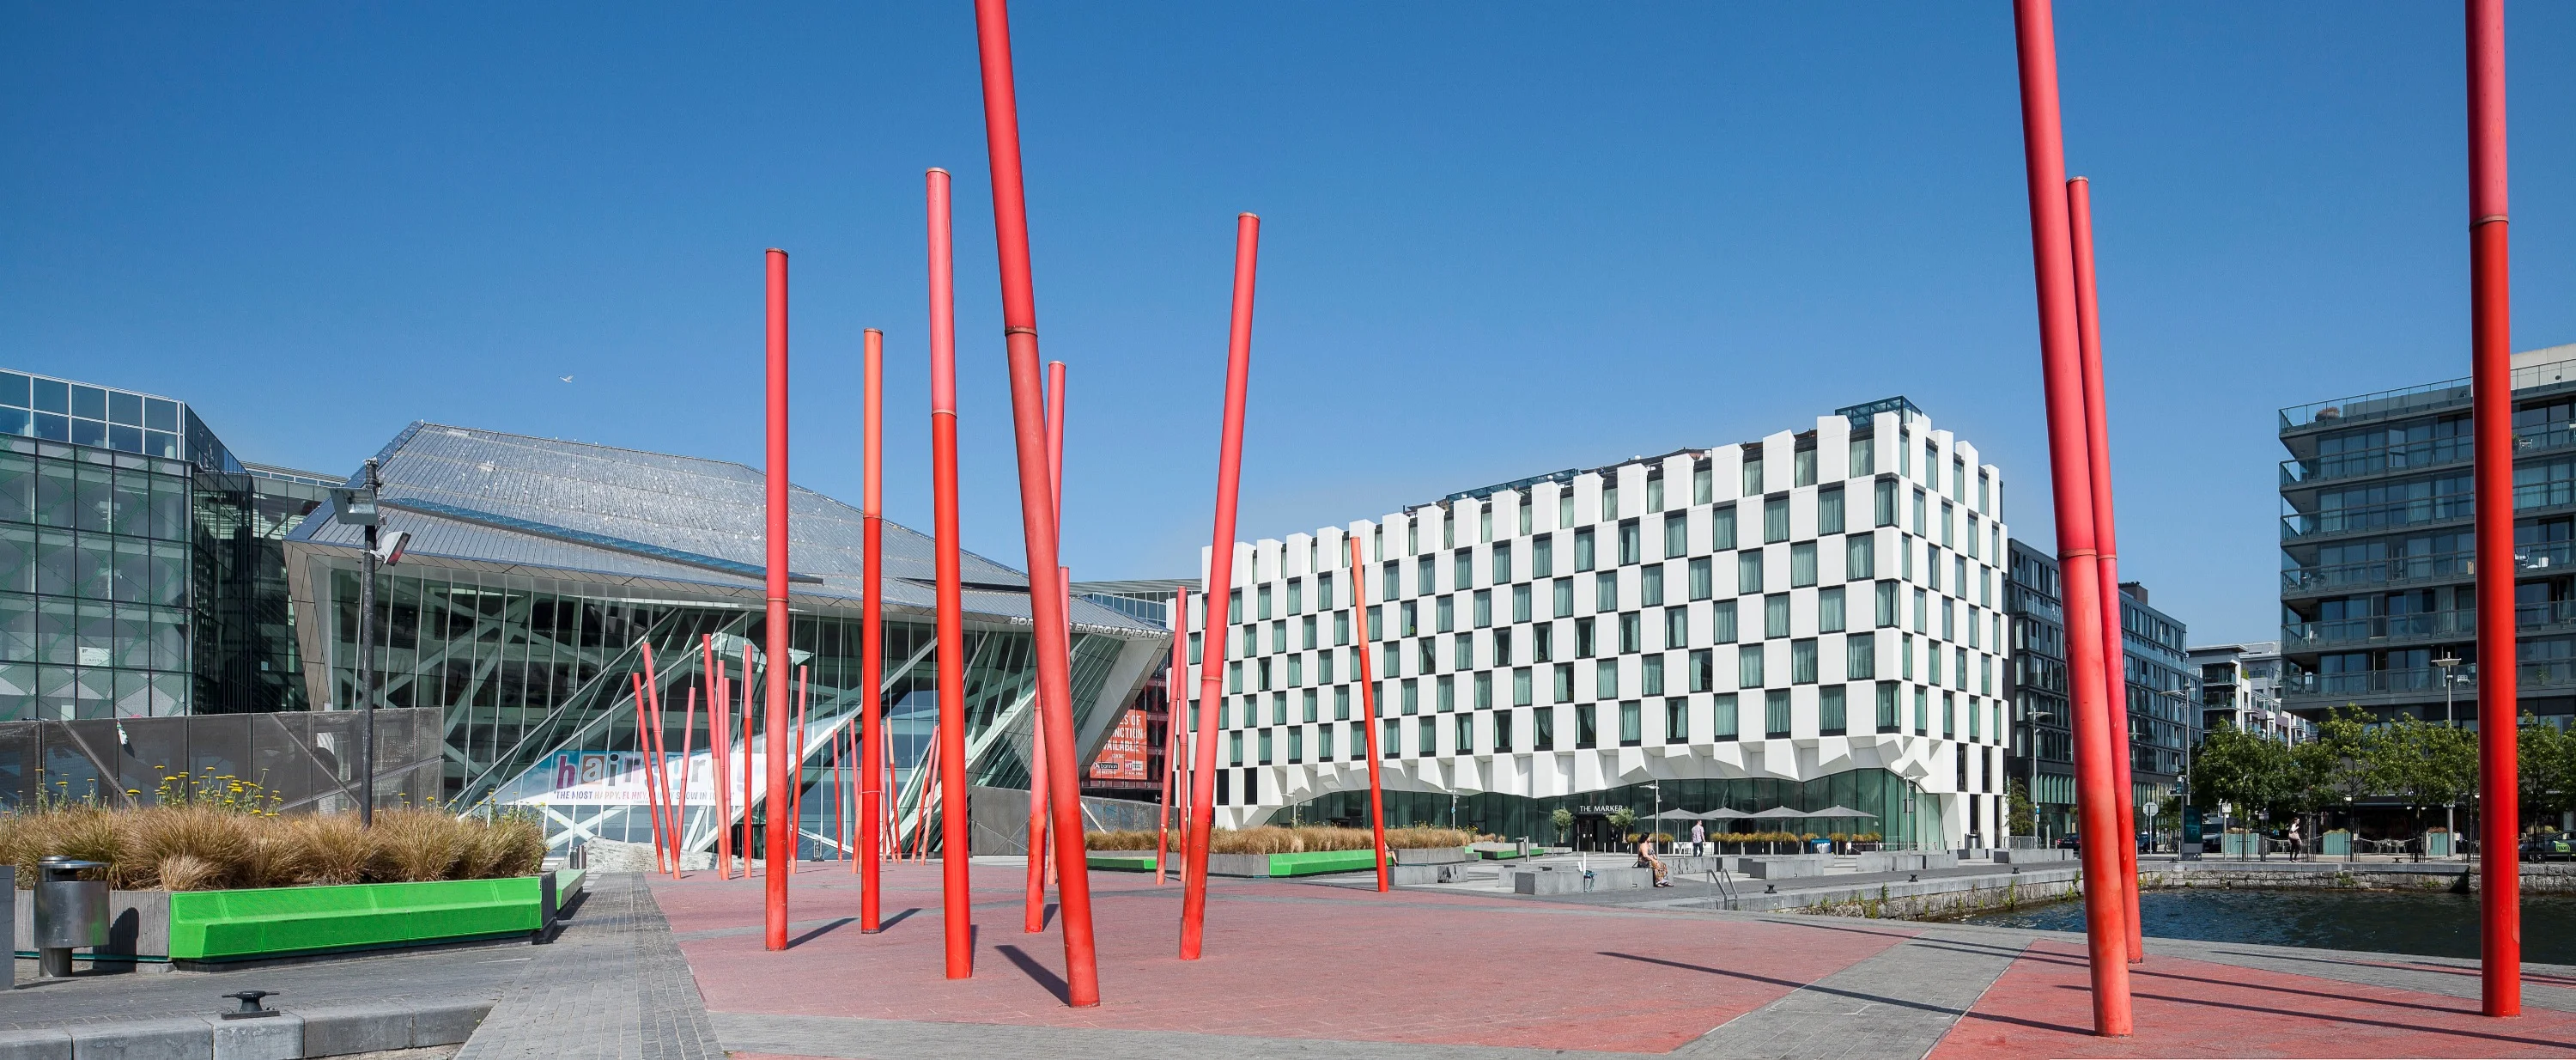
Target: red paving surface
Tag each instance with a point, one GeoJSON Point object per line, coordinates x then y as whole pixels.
{"type": "Point", "coordinates": [1291, 960]}
{"type": "Point", "coordinates": [2042, 1006]}
{"type": "Point", "coordinates": [1282, 960]}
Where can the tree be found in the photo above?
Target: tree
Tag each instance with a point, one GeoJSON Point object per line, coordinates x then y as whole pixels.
{"type": "Point", "coordinates": [2353, 756]}
{"type": "Point", "coordinates": [1563, 819]}
{"type": "Point", "coordinates": [2023, 815]}
{"type": "Point", "coordinates": [2238, 771]}
{"type": "Point", "coordinates": [2428, 765]}
{"type": "Point", "coordinates": [1622, 819]}
{"type": "Point", "coordinates": [2546, 757]}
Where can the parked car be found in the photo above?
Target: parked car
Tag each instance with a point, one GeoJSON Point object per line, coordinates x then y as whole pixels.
{"type": "Point", "coordinates": [2070, 841]}
{"type": "Point", "coordinates": [2545, 846]}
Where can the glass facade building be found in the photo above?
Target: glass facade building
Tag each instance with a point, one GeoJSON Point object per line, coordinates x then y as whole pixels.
{"type": "Point", "coordinates": [2378, 586]}
{"type": "Point", "coordinates": [540, 570]}
{"type": "Point", "coordinates": [140, 570]}
{"type": "Point", "coordinates": [2163, 710]}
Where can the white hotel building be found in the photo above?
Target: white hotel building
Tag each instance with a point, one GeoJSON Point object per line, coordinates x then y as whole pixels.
{"type": "Point", "coordinates": [1809, 620]}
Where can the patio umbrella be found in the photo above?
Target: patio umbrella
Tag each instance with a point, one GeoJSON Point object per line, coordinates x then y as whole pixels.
{"type": "Point", "coordinates": [1724, 814]}
{"type": "Point", "coordinates": [1779, 813]}
{"type": "Point", "coordinates": [1841, 811]}
{"type": "Point", "coordinates": [1678, 814]}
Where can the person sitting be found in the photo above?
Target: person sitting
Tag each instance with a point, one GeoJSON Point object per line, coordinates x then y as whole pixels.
{"type": "Point", "coordinates": [1646, 859]}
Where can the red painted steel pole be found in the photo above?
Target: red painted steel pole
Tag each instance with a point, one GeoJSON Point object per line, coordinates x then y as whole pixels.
{"type": "Point", "coordinates": [643, 752]}
{"type": "Point", "coordinates": [951, 654]}
{"type": "Point", "coordinates": [796, 849]}
{"type": "Point", "coordinates": [782, 849]}
{"type": "Point", "coordinates": [2097, 441]}
{"type": "Point", "coordinates": [1034, 919]}
{"type": "Point", "coordinates": [2106, 923]}
{"type": "Point", "coordinates": [1173, 708]}
{"type": "Point", "coordinates": [1037, 513]}
{"type": "Point", "coordinates": [751, 766]}
{"type": "Point", "coordinates": [688, 734]}
{"type": "Point", "coordinates": [873, 759]}
{"type": "Point", "coordinates": [720, 746]}
{"type": "Point", "coordinates": [2491, 377]}
{"type": "Point", "coordinates": [1220, 584]}
{"type": "Point", "coordinates": [1368, 712]}
{"type": "Point", "coordinates": [657, 783]}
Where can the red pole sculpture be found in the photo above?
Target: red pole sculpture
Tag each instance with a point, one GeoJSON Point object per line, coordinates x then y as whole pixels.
{"type": "Point", "coordinates": [2491, 377]}
{"type": "Point", "coordinates": [1174, 708]}
{"type": "Point", "coordinates": [750, 765]}
{"type": "Point", "coordinates": [1219, 588]}
{"type": "Point", "coordinates": [1034, 918]}
{"type": "Point", "coordinates": [2106, 923]}
{"type": "Point", "coordinates": [657, 783]}
{"type": "Point", "coordinates": [688, 732]}
{"type": "Point", "coordinates": [797, 782]}
{"type": "Point", "coordinates": [1037, 514]}
{"type": "Point", "coordinates": [873, 759]}
{"type": "Point", "coordinates": [643, 753]}
{"type": "Point", "coordinates": [2097, 442]}
{"type": "Point", "coordinates": [1368, 710]}
{"type": "Point", "coordinates": [782, 851]}
{"type": "Point", "coordinates": [950, 730]}
{"type": "Point", "coordinates": [720, 752]}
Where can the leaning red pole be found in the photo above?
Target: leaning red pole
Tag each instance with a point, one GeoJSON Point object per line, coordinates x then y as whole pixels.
{"type": "Point", "coordinates": [1174, 706]}
{"type": "Point", "coordinates": [2097, 443]}
{"type": "Point", "coordinates": [2043, 146]}
{"type": "Point", "coordinates": [688, 733]}
{"type": "Point", "coordinates": [950, 731]}
{"type": "Point", "coordinates": [1034, 912]}
{"type": "Point", "coordinates": [872, 746]}
{"type": "Point", "coordinates": [1219, 586]}
{"type": "Point", "coordinates": [1368, 711]}
{"type": "Point", "coordinates": [782, 851]}
{"type": "Point", "coordinates": [2491, 378]}
{"type": "Point", "coordinates": [1037, 513]}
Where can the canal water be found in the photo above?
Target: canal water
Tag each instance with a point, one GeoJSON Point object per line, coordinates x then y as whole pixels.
{"type": "Point", "coordinates": [2433, 925]}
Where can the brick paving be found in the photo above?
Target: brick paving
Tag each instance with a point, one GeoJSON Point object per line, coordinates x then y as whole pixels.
{"type": "Point", "coordinates": [417, 979]}
{"type": "Point", "coordinates": [1329, 972]}
{"type": "Point", "coordinates": [614, 987]}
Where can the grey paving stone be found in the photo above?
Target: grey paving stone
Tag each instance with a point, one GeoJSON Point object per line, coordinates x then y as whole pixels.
{"type": "Point", "coordinates": [612, 987]}
{"type": "Point", "coordinates": [868, 1039]}
{"type": "Point", "coordinates": [1899, 1003]}
{"type": "Point", "coordinates": [445, 1024]}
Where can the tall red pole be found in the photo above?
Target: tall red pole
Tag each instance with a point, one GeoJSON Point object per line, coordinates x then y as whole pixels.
{"type": "Point", "coordinates": [657, 782]}
{"type": "Point", "coordinates": [720, 746]}
{"type": "Point", "coordinates": [2491, 375]}
{"type": "Point", "coordinates": [1174, 707]}
{"type": "Point", "coordinates": [950, 731]}
{"type": "Point", "coordinates": [688, 733]}
{"type": "Point", "coordinates": [1034, 912]}
{"type": "Point", "coordinates": [643, 755]}
{"type": "Point", "coordinates": [872, 741]}
{"type": "Point", "coordinates": [2097, 443]}
{"type": "Point", "coordinates": [1368, 711]}
{"type": "Point", "coordinates": [1220, 584]}
{"type": "Point", "coordinates": [2070, 463]}
{"type": "Point", "coordinates": [782, 850]}
{"type": "Point", "coordinates": [1037, 513]}
{"type": "Point", "coordinates": [796, 782]}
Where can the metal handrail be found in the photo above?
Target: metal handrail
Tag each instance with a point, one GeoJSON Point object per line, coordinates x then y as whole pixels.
{"type": "Point", "coordinates": [2463, 622]}
{"type": "Point", "coordinates": [2298, 680]}
{"type": "Point", "coordinates": [2297, 525]}
{"type": "Point", "coordinates": [2362, 408]}
{"type": "Point", "coordinates": [2436, 566]}
{"type": "Point", "coordinates": [2415, 456]}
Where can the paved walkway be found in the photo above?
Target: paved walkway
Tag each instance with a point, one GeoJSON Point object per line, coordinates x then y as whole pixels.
{"type": "Point", "coordinates": [1298, 970]}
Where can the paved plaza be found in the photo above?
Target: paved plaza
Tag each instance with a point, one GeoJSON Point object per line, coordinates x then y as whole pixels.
{"type": "Point", "coordinates": [1330, 969]}
{"type": "Point", "coordinates": [1327, 968]}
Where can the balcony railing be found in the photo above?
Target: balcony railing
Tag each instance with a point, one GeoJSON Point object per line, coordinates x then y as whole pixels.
{"type": "Point", "coordinates": [2386, 403]}
{"type": "Point", "coordinates": [2416, 456]}
{"type": "Point", "coordinates": [2300, 681]}
{"type": "Point", "coordinates": [2438, 566]}
{"type": "Point", "coordinates": [2381, 517]}
{"type": "Point", "coordinates": [2557, 614]}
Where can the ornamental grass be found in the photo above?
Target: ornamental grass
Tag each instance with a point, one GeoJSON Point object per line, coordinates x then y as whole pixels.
{"type": "Point", "coordinates": [1278, 839]}
{"type": "Point", "coordinates": [220, 834]}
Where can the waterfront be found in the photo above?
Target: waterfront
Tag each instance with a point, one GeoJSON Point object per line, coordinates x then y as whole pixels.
{"type": "Point", "coordinates": [2425, 924]}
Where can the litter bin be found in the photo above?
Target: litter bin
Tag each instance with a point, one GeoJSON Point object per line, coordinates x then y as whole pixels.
{"type": "Point", "coordinates": [70, 913]}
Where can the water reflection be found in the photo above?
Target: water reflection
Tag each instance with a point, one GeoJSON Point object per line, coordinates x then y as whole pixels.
{"type": "Point", "coordinates": [2433, 925]}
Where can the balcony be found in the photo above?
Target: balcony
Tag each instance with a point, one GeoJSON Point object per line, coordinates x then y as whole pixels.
{"type": "Point", "coordinates": [2385, 404]}
{"type": "Point", "coordinates": [2303, 636]}
{"type": "Point", "coordinates": [2421, 512]}
{"type": "Point", "coordinates": [2413, 683]}
{"type": "Point", "coordinates": [2434, 568]}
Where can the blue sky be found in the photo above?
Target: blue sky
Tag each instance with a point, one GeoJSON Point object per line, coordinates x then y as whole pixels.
{"type": "Point", "coordinates": [1499, 239]}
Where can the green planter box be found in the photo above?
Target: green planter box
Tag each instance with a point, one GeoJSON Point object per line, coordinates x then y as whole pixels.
{"type": "Point", "coordinates": [2336, 843]}
{"type": "Point", "coordinates": [1121, 861]}
{"type": "Point", "coordinates": [1317, 862]}
{"type": "Point", "coordinates": [235, 925]}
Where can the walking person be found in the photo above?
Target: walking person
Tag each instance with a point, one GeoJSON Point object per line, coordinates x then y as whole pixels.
{"type": "Point", "coordinates": [1646, 859]}
{"type": "Point", "coordinates": [1699, 837]}
{"type": "Point", "coordinates": [2297, 844]}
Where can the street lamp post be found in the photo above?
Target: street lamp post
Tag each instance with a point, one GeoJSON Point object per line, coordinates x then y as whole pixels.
{"type": "Point", "coordinates": [2450, 720]}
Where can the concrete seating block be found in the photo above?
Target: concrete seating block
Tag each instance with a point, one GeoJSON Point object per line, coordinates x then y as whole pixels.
{"type": "Point", "coordinates": [1941, 859]}
{"type": "Point", "coordinates": [445, 1024]}
{"type": "Point", "coordinates": [54, 1044]}
{"type": "Point", "coordinates": [279, 1037]}
{"type": "Point", "coordinates": [1874, 861]}
{"type": "Point", "coordinates": [172, 1039]}
{"type": "Point", "coordinates": [335, 1032]}
{"type": "Point", "coordinates": [1780, 868]}
{"type": "Point", "coordinates": [1428, 855]}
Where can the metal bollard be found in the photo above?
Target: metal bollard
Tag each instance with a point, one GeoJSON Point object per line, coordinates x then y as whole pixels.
{"type": "Point", "coordinates": [70, 913]}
